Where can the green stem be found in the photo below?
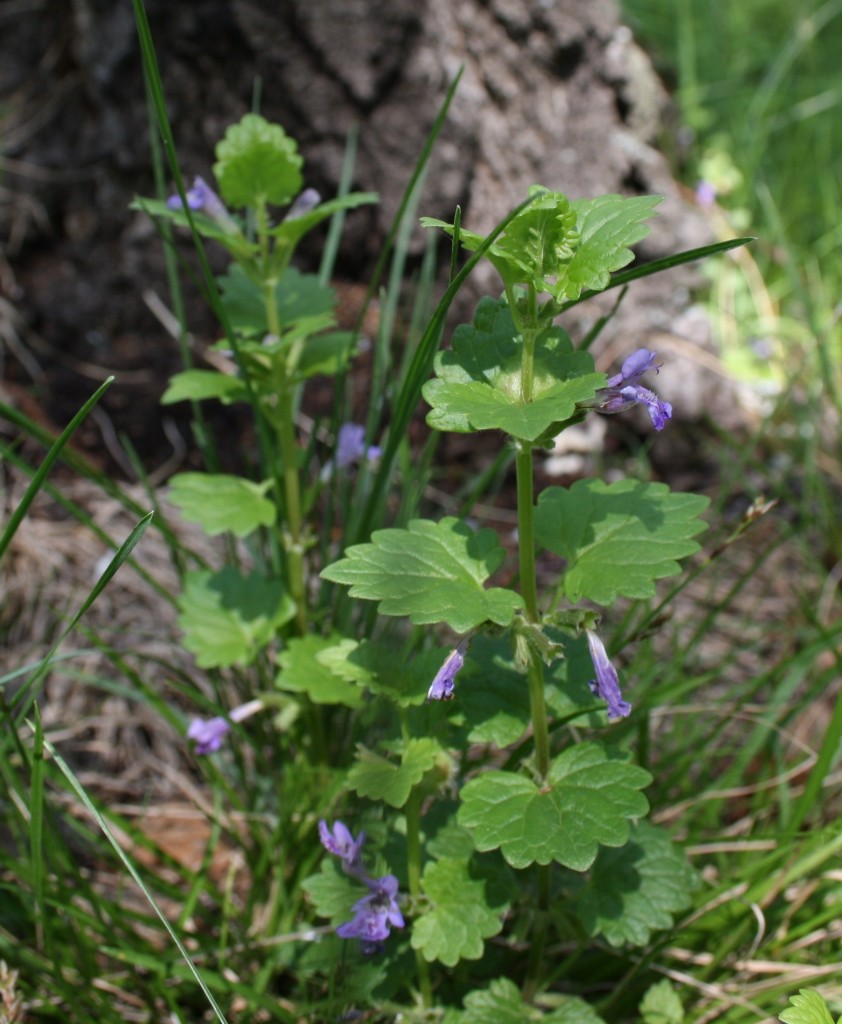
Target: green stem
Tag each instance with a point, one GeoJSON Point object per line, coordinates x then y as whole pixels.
{"type": "Point", "coordinates": [413, 870]}
{"type": "Point", "coordinates": [285, 429]}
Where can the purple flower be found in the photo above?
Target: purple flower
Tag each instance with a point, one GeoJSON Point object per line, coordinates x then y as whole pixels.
{"type": "Point", "coordinates": [341, 843]}
{"type": "Point", "coordinates": [607, 684]}
{"type": "Point", "coordinates": [622, 390]}
{"type": "Point", "coordinates": [350, 446]}
{"type": "Point", "coordinates": [705, 193]}
{"type": "Point", "coordinates": [444, 684]}
{"type": "Point", "coordinates": [304, 203]}
{"type": "Point", "coordinates": [208, 733]}
{"type": "Point", "coordinates": [374, 914]}
{"type": "Point", "coordinates": [202, 198]}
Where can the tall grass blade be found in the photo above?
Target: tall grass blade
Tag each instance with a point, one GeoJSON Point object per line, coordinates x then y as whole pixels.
{"type": "Point", "coordinates": [37, 481]}
{"type": "Point", "coordinates": [81, 793]}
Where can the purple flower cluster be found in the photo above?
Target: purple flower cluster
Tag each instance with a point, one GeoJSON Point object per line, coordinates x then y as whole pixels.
{"type": "Point", "coordinates": [376, 912]}
{"type": "Point", "coordinates": [607, 683]}
{"type": "Point", "coordinates": [622, 390]}
{"type": "Point", "coordinates": [202, 198]}
{"type": "Point", "coordinates": [351, 447]}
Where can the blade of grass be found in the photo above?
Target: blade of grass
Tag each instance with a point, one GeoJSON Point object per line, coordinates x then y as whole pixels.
{"type": "Point", "coordinates": [86, 801]}
{"type": "Point", "coordinates": [43, 470]}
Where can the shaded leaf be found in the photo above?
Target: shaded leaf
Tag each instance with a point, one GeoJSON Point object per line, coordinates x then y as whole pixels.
{"type": "Point", "coordinates": [502, 1003]}
{"type": "Point", "coordinates": [478, 380]}
{"type": "Point", "coordinates": [661, 1005]}
{"type": "Point", "coordinates": [377, 778]}
{"type": "Point", "coordinates": [228, 618]}
{"type": "Point", "coordinates": [618, 538]}
{"type": "Point", "coordinates": [636, 889]}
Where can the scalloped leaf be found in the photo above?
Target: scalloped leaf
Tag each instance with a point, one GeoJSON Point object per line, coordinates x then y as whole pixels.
{"type": "Point", "coordinates": [458, 918]}
{"type": "Point", "coordinates": [256, 163]}
{"type": "Point", "coordinates": [590, 795]}
{"type": "Point", "coordinates": [290, 232]}
{"type": "Point", "coordinates": [430, 572]}
{"type": "Point", "coordinates": [383, 670]}
{"type": "Point", "coordinates": [195, 385]}
{"type": "Point", "coordinates": [228, 618]}
{"type": "Point", "coordinates": [661, 1005]}
{"type": "Point", "coordinates": [618, 538]}
{"type": "Point", "coordinates": [301, 300]}
{"type": "Point", "coordinates": [219, 502]}
{"type": "Point", "coordinates": [477, 383]}
{"type": "Point", "coordinates": [303, 671]}
{"type": "Point", "coordinates": [502, 1003]}
{"type": "Point", "coordinates": [808, 1007]}
{"type": "Point", "coordinates": [608, 226]}
{"type": "Point", "coordinates": [333, 893]}
{"type": "Point", "coordinates": [377, 778]}
{"type": "Point", "coordinates": [636, 889]}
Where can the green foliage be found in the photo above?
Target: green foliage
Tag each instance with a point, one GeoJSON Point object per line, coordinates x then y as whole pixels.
{"type": "Point", "coordinates": [478, 380]}
{"type": "Point", "coordinates": [220, 502]}
{"type": "Point", "coordinates": [807, 1007]}
{"type": "Point", "coordinates": [459, 916]}
{"type": "Point", "coordinates": [636, 889]}
{"type": "Point", "coordinates": [502, 1003]}
{"type": "Point", "coordinates": [229, 618]}
{"type": "Point", "coordinates": [257, 163]}
{"type": "Point", "coordinates": [303, 670]}
{"type": "Point", "coordinates": [590, 794]}
{"type": "Point", "coordinates": [430, 572]}
{"type": "Point", "coordinates": [661, 1005]}
{"type": "Point", "coordinates": [377, 778]}
{"type": "Point", "coordinates": [618, 538]}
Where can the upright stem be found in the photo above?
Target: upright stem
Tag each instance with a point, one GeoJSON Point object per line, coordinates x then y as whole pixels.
{"type": "Point", "coordinates": [413, 867]}
{"type": "Point", "coordinates": [285, 429]}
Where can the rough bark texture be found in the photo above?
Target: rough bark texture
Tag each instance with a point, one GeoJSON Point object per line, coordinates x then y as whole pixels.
{"type": "Point", "coordinates": [552, 92]}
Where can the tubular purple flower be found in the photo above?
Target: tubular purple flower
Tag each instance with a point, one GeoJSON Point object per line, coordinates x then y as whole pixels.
{"type": "Point", "coordinates": [202, 198]}
{"type": "Point", "coordinates": [208, 733]}
{"type": "Point", "coordinates": [374, 914]}
{"type": "Point", "coordinates": [350, 446]}
{"type": "Point", "coordinates": [303, 203]}
{"type": "Point", "coordinates": [607, 684]}
{"type": "Point", "coordinates": [443, 686]}
{"type": "Point", "coordinates": [622, 390]}
{"type": "Point", "coordinates": [341, 843]}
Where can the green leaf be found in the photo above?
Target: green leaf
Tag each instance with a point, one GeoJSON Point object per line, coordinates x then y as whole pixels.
{"type": "Point", "coordinates": [478, 382]}
{"type": "Point", "coordinates": [194, 385]}
{"type": "Point", "coordinates": [492, 695]}
{"type": "Point", "coordinates": [303, 671]}
{"type": "Point", "coordinates": [301, 299]}
{"type": "Point", "coordinates": [290, 232]}
{"type": "Point", "coordinates": [379, 779]}
{"type": "Point", "coordinates": [502, 1003]}
{"type": "Point", "coordinates": [228, 618]}
{"type": "Point", "coordinates": [326, 354]}
{"type": "Point", "coordinates": [219, 502]}
{"type": "Point", "coordinates": [590, 795]}
{"type": "Point", "coordinates": [636, 889]}
{"type": "Point", "coordinates": [808, 1007]}
{"type": "Point", "coordinates": [431, 572]}
{"type": "Point", "coordinates": [257, 163]}
{"type": "Point", "coordinates": [661, 1005]}
{"type": "Point", "coordinates": [617, 539]}
{"type": "Point", "coordinates": [333, 893]}
{"type": "Point", "coordinates": [608, 225]}
{"type": "Point", "coordinates": [458, 918]}
{"type": "Point", "coordinates": [383, 670]}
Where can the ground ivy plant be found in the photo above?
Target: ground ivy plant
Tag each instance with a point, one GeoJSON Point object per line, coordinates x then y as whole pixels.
{"type": "Point", "coordinates": [497, 782]}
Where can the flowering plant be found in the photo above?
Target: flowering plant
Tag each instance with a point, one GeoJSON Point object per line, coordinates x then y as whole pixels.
{"type": "Point", "coordinates": [499, 781]}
